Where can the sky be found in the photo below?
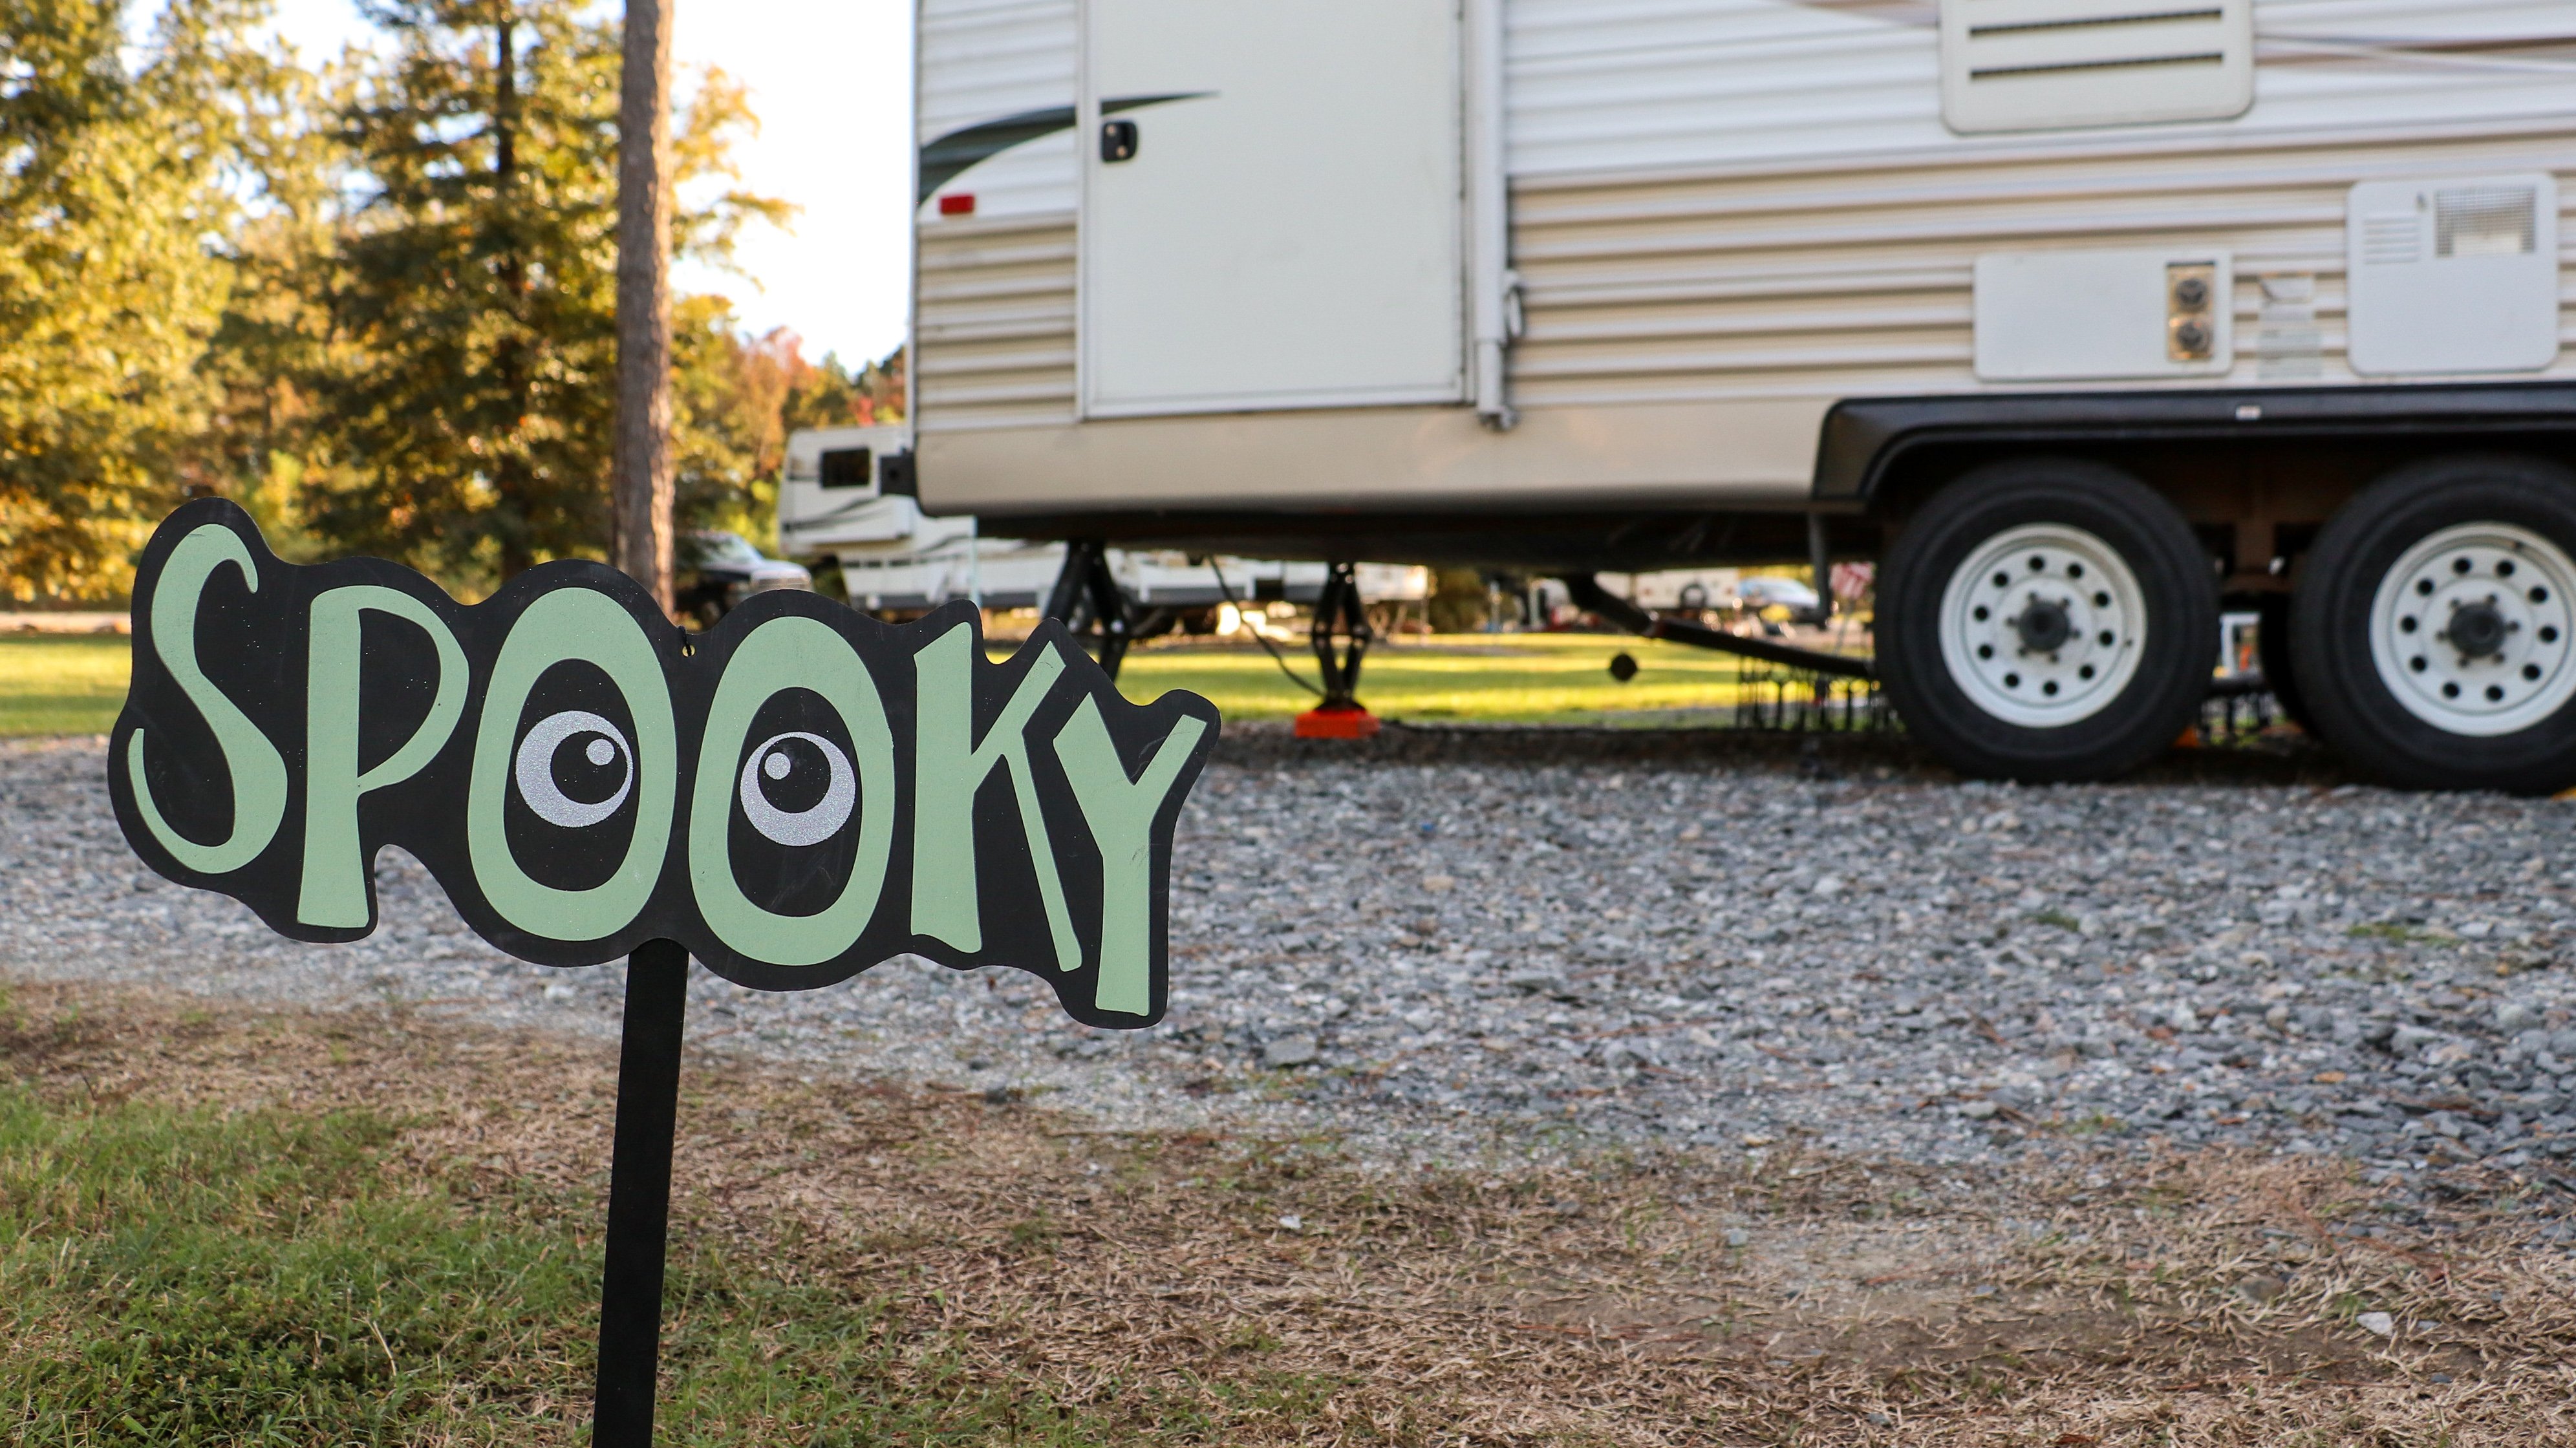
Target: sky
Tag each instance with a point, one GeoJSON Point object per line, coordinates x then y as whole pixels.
{"type": "Point", "coordinates": [831, 81]}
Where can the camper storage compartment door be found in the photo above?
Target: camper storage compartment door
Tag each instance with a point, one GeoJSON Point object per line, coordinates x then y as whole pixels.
{"type": "Point", "coordinates": [1271, 211]}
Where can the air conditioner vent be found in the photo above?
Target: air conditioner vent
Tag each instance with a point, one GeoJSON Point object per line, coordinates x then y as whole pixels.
{"type": "Point", "coordinates": [2021, 65]}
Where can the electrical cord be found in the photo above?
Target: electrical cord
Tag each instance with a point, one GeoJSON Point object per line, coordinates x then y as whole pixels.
{"type": "Point", "coordinates": [1258, 636]}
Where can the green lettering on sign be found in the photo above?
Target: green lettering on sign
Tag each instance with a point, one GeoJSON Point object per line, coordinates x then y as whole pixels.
{"type": "Point", "coordinates": [794, 796]}
{"type": "Point", "coordinates": [258, 773]}
{"type": "Point", "coordinates": [335, 869]}
{"type": "Point", "coordinates": [782, 654]}
{"type": "Point", "coordinates": [563, 627]}
{"type": "Point", "coordinates": [950, 767]}
{"type": "Point", "coordinates": [1122, 813]}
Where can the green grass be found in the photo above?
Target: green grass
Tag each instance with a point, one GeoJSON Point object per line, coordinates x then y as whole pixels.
{"type": "Point", "coordinates": [1453, 678]}
{"type": "Point", "coordinates": [177, 1277]}
{"type": "Point", "coordinates": [2402, 934]}
{"type": "Point", "coordinates": [61, 683]}
{"type": "Point", "coordinates": [74, 684]}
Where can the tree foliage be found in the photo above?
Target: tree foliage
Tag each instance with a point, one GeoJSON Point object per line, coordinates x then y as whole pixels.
{"type": "Point", "coordinates": [737, 398]}
{"type": "Point", "coordinates": [373, 301]}
{"type": "Point", "coordinates": [119, 183]}
{"type": "Point", "coordinates": [464, 425]}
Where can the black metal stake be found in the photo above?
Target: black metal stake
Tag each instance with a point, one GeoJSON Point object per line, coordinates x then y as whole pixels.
{"type": "Point", "coordinates": [639, 1194]}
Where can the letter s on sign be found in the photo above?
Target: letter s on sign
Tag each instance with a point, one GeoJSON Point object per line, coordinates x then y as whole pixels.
{"type": "Point", "coordinates": [258, 772]}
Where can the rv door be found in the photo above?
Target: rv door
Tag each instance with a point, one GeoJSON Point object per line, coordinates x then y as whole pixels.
{"type": "Point", "coordinates": [1270, 205]}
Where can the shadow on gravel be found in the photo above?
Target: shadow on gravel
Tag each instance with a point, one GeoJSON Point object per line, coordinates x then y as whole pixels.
{"type": "Point", "coordinates": [1878, 757]}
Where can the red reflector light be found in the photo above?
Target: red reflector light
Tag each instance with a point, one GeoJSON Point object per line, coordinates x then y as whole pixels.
{"type": "Point", "coordinates": [961, 203]}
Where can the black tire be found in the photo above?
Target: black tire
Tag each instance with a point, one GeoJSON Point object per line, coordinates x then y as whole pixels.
{"type": "Point", "coordinates": [2332, 617]}
{"type": "Point", "coordinates": [2280, 670]}
{"type": "Point", "coordinates": [2167, 654]}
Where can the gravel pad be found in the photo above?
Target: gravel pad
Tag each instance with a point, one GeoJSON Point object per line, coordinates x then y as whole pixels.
{"type": "Point", "coordinates": [1466, 951]}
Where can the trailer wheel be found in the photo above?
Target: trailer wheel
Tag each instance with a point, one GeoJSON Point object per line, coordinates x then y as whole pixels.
{"type": "Point", "coordinates": [2434, 629]}
{"type": "Point", "coordinates": [2280, 670]}
{"type": "Point", "coordinates": [2047, 619]}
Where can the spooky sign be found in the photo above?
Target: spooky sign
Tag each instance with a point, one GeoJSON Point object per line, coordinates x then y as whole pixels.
{"type": "Point", "coordinates": [796, 795]}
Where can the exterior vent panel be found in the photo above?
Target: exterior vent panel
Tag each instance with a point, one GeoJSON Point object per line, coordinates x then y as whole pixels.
{"type": "Point", "coordinates": [2455, 275]}
{"type": "Point", "coordinates": [2032, 65]}
{"type": "Point", "coordinates": [2392, 240]}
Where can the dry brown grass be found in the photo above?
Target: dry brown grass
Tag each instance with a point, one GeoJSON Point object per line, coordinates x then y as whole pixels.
{"type": "Point", "coordinates": [2189, 1299]}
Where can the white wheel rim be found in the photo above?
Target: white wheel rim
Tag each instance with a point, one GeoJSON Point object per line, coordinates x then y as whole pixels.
{"type": "Point", "coordinates": [2470, 629]}
{"type": "Point", "coordinates": [2029, 588]}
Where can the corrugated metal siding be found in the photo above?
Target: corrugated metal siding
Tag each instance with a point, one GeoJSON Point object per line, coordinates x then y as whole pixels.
{"type": "Point", "coordinates": [993, 326]}
{"type": "Point", "coordinates": [1719, 199]}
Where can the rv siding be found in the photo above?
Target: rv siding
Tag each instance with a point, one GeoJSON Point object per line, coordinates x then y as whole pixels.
{"type": "Point", "coordinates": [993, 323]}
{"type": "Point", "coordinates": [1855, 280]}
{"type": "Point", "coordinates": [993, 301]}
{"type": "Point", "coordinates": [1738, 201]}
{"type": "Point", "coordinates": [1597, 87]}
{"type": "Point", "coordinates": [1728, 199]}
{"type": "Point", "coordinates": [983, 60]}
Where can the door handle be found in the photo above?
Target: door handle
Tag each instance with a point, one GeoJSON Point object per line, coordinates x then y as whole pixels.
{"type": "Point", "coordinates": [1117, 141]}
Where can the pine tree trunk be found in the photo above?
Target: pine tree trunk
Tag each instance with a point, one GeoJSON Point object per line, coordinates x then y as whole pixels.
{"type": "Point", "coordinates": [510, 471]}
{"type": "Point", "coordinates": [642, 468]}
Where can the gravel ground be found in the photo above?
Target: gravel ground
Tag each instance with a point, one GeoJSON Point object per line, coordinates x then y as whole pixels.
{"type": "Point", "coordinates": [1465, 946]}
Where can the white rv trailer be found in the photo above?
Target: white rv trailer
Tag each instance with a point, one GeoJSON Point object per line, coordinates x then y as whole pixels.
{"type": "Point", "coordinates": [2082, 314]}
{"type": "Point", "coordinates": [844, 502]}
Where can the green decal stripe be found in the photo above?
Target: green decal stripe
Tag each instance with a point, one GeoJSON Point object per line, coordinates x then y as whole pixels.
{"type": "Point", "coordinates": [944, 159]}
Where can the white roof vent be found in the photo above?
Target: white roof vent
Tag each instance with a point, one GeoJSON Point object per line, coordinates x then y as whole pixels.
{"type": "Point", "coordinates": [2032, 65]}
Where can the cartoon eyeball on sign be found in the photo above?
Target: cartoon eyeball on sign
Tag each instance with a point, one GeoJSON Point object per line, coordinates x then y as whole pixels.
{"type": "Point", "coordinates": [794, 796]}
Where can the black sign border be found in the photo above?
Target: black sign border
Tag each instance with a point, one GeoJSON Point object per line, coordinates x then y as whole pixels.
{"type": "Point", "coordinates": [425, 815]}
